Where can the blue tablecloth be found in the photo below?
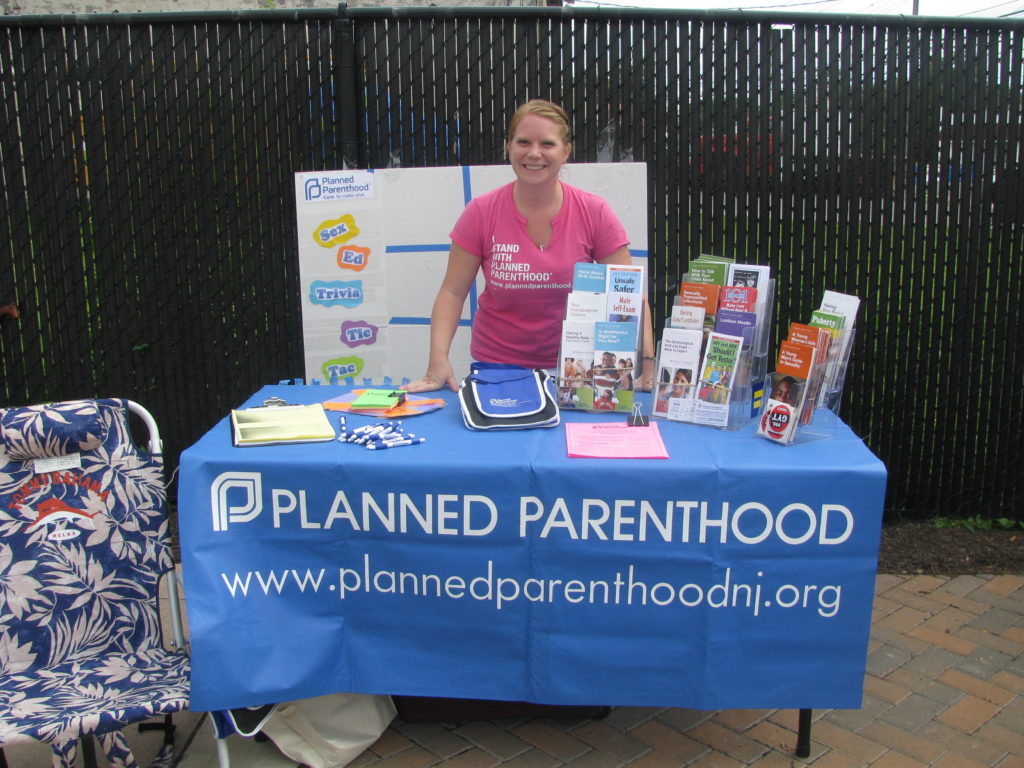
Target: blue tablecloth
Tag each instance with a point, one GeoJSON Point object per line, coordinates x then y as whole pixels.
{"type": "Point", "coordinates": [736, 574]}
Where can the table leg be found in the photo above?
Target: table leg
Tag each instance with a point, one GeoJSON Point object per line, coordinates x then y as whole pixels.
{"type": "Point", "coordinates": [803, 734]}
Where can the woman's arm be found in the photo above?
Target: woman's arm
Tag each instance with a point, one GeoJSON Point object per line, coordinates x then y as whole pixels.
{"type": "Point", "coordinates": [444, 321]}
{"type": "Point", "coordinates": [644, 379]}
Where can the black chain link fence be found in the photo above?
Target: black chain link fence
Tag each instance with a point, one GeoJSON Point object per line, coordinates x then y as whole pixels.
{"type": "Point", "coordinates": [148, 210]}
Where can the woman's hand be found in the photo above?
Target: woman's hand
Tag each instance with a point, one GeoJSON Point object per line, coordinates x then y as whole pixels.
{"type": "Point", "coordinates": [434, 380]}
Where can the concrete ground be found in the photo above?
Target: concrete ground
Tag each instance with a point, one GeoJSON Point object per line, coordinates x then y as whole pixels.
{"type": "Point", "coordinates": [944, 688]}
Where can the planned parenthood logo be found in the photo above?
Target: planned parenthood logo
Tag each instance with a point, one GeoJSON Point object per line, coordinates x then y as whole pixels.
{"type": "Point", "coordinates": [336, 185]}
{"type": "Point", "coordinates": [235, 497]}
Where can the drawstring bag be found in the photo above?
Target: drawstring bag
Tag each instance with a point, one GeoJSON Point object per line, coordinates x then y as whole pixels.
{"type": "Point", "coordinates": [496, 396]}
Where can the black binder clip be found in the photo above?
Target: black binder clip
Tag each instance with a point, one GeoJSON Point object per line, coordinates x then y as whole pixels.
{"type": "Point", "coordinates": [637, 418]}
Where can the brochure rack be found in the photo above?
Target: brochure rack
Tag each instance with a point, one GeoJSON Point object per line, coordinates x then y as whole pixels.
{"type": "Point", "coordinates": [692, 388]}
{"type": "Point", "coordinates": [820, 418]}
{"type": "Point", "coordinates": [601, 340]}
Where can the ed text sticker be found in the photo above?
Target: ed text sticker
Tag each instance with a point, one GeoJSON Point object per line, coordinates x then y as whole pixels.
{"type": "Point", "coordinates": [353, 257]}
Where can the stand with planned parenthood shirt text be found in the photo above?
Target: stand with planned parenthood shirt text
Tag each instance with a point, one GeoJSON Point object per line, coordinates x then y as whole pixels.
{"type": "Point", "coordinates": [490, 565]}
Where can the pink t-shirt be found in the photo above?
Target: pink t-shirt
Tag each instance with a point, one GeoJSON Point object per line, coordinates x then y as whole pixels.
{"type": "Point", "coordinates": [519, 314]}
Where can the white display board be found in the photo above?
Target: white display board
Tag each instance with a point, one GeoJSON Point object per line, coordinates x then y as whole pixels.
{"type": "Point", "coordinates": [373, 248]}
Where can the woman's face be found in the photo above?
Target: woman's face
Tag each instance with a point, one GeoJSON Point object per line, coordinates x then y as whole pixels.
{"type": "Point", "coordinates": [537, 151]}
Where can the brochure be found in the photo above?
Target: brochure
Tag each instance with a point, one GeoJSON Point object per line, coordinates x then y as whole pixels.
{"type": "Point", "coordinates": [576, 363]}
{"type": "Point", "coordinates": [788, 394]}
{"type": "Point", "coordinates": [614, 362]}
{"type": "Point", "coordinates": [625, 293]}
{"type": "Point", "coordinates": [678, 362]}
{"type": "Point", "coordinates": [714, 386]}
{"type": "Point", "coordinates": [585, 306]}
{"type": "Point", "coordinates": [616, 440]}
{"type": "Point", "coordinates": [589, 277]}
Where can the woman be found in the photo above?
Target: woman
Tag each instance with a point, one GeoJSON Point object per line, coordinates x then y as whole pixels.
{"type": "Point", "coordinates": [526, 236]}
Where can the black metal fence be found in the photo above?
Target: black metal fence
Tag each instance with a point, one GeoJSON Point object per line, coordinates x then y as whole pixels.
{"type": "Point", "coordinates": [148, 215]}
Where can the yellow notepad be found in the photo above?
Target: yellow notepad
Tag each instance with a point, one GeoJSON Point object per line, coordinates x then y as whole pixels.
{"type": "Point", "coordinates": [280, 424]}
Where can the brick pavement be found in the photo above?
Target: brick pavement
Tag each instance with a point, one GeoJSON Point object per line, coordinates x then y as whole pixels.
{"type": "Point", "coordinates": [944, 688]}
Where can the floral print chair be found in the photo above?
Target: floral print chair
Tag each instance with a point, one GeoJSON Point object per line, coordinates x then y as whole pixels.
{"type": "Point", "coordinates": [83, 546]}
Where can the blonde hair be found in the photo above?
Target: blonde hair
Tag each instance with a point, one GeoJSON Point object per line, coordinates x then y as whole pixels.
{"type": "Point", "coordinates": [541, 108]}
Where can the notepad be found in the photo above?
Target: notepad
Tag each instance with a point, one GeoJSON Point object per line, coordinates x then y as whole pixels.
{"type": "Point", "coordinates": [377, 400]}
{"type": "Point", "coordinates": [274, 425]}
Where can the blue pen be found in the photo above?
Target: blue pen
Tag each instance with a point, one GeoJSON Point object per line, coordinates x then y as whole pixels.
{"type": "Point", "coordinates": [343, 434]}
{"type": "Point", "coordinates": [396, 443]}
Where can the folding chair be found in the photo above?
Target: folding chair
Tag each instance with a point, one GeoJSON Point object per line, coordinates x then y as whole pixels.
{"type": "Point", "coordinates": [83, 547]}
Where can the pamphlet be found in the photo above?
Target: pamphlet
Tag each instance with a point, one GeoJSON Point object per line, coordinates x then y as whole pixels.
{"type": "Point", "coordinates": [717, 371]}
{"type": "Point", "coordinates": [625, 293]}
{"type": "Point", "coordinates": [614, 363]}
{"type": "Point", "coordinates": [272, 425]}
{"type": "Point", "coordinates": [589, 277]}
{"type": "Point", "coordinates": [678, 362]}
{"type": "Point", "coordinates": [788, 394]}
{"type": "Point", "coordinates": [616, 440]}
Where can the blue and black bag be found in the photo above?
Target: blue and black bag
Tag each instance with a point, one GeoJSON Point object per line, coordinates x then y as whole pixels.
{"type": "Point", "coordinates": [496, 396]}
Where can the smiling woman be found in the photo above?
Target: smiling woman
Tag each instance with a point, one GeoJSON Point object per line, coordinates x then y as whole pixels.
{"type": "Point", "coordinates": [526, 237]}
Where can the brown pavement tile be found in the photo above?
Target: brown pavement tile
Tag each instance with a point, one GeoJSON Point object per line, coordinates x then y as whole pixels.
{"type": "Point", "coordinates": [740, 720]}
{"type": "Point", "coordinates": [491, 738]}
{"type": "Point", "coordinates": [885, 690]}
{"type": "Point", "coordinates": [847, 742]}
{"type": "Point", "coordinates": [836, 760]}
{"type": "Point", "coordinates": [925, 584]}
{"type": "Point", "coordinates": [926, 685]}
{"type": "Point", "coordinates": [1004, 585]}
{"type": "Point", "coordinates": [669, 741]}
{"type": "Point", "coordinates": [683, 720]}
{"type": "Point", "coordinates": [948, 620]}
{"type": "Point", "coordinates": [1014, 634]}
{"type": "Point", "coordinates": [594, 759]}
{"type": "Point", "coordinates": [983, 689]}
{"type": "Point", "coordinates": [960, 602]}
{"type": "Point", "coordinates": [472, 758]}
{"type": "Point", "coordinates": [943, 639]}
{"type": "Point", "coordinates": [902, 620]}
{"type": "Point", "coordinates": [716, 760]}
{"type": "Point", "coordinates": [552, 740]}
{"type": "Point", "coordinates": [896, 760]}
{"type": "Point", "coordinates": [777, 760]}
{"type": "Point", "coordinates": [1002, 642]}
{"type": "Point", "coordinates": [904, 742]}
{"type": "Point", "coordinates": [626, 718]}
{"type": "Point", "coordinates": [434, 737]}
{"type": "Point", "coordinates": [390, 742]}
{"type": "Point", "coordinates": [1012, 761]}
{"type": "Point", "coordinates": [532, 758]}
{"type": "Point", "coordinates": [736, 745]}
{"type": "Point", "coordinates": [611, 740]}
{"type": "Point", "coordinates": [962, 585]}
{"type": "Point", "coordinates": [413, 757]}
{"type": "Point", "coordinates": [775, 736]}
{"type": "Point", "coordinates": [656, 760]}
{"type": "Point", "coordinates": [958, 761]}
{"type": "Point", "coordinates": [1000, 737]}
{"type": "Point", "coordinates": [969, 714]}
{"type": "Point", "coordinates": [961, 743]}
{"type": "Point", "coordinates": [1008, 680]}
